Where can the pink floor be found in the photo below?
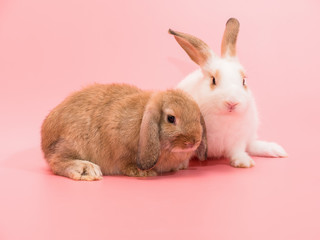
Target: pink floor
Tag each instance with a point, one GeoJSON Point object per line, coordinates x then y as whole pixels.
{"type": "Point", "coordinates": [51, 48]}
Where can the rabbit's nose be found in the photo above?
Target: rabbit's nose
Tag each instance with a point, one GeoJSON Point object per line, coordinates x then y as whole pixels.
{"type": "Point", "coordinates": [189, 144]}
{"type": "Point", "coordinates": [231, 105]}
{"type": "Point", "coordinates": [193, 143]}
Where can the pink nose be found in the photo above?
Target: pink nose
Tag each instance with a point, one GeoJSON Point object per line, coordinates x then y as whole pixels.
{"type": "Point", "coordinates": [231, 105]}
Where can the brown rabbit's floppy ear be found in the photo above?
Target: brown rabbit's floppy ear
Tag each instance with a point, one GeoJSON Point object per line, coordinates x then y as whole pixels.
{"type": "Point", "coordinates": [229, 40]}
{"type": "Point", "coordinates": [197, 50]}
{"type": "Point", "coordinates": [149, 141]}
{"type": "Point", "coordinates": [202, 150]}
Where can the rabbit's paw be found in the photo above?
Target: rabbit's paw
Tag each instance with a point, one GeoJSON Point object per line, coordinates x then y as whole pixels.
{"type": "Point", "coordinates": [275, 150]}
{"type": "Point", "coordinates": [84, 170]}
{"type": "Point", "coordinates": [241, 160]}
{"type": "Point", "coordinates": [266, 149]}
{"type": "Point", "coordinates": [131, 170]}
{"type": "Point", "coordinates": [183, 165]}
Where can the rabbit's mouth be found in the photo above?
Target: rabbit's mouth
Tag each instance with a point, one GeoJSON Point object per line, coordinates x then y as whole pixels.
{"type": "Point", "coordinates": [188, 147]}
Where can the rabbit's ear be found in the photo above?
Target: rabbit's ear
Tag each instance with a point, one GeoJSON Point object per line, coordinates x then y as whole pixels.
{"type": "Point", "coordinates": [229, 40]}
{"type": "Point", "coordinates": [197, 50]}
{"type": "Point", "coordinates": [202, 150]}
{"type": "Point", "coordinates": [149, 141]}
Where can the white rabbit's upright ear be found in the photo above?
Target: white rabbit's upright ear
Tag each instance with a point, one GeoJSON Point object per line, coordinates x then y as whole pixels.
{"type": "Point", "coordinates": [197, 49]}
{"type": "Point", "coordinates": [149, 141]}
{"type": "Point", "coordinates": [229, 40]}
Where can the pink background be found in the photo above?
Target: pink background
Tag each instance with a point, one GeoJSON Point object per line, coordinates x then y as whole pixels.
{"type": "Point", "coordinates": [50, 48]}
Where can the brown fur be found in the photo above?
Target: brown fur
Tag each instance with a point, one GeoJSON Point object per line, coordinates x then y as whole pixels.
{"type": "Point", "coordinates": [229, 40]}
{"type": "Point", "coordinates": [197, 49]}
{"type": "Point", "coordinates": [120, 129]}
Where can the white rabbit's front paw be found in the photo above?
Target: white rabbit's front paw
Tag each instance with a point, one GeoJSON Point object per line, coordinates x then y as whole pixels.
{"type": "Point", "coordinates": [241, 160]}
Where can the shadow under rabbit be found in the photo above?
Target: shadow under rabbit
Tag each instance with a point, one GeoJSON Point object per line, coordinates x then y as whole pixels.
{"type": "Point", "coordinates": [31, 160]}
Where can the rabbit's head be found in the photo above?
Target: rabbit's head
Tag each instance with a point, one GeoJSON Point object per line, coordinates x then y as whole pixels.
{"type": "Point", "coordinates": [223, 88]}
{"type": "Point", "coordinates": [171, 122]}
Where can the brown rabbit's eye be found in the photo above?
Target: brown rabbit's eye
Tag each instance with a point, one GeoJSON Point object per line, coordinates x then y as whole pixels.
{"type": "Point", "coordinates": [213, 80]}
{"type": "Point", "coordinates": [171, 119]}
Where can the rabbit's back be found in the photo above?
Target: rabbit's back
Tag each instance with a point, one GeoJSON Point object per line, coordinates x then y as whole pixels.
{"type": "Point", "coordinates": [98, 122]}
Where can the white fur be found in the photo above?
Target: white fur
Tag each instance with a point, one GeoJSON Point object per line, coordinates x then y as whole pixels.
{"type": "Point", "coordinates": [231, 134]}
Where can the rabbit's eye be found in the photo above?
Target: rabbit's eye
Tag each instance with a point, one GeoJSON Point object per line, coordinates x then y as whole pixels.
{"type": "Point", "coordinates": [171, 119]}
{"type": "Point", "coordinates": [244, 82]}
{"type": "Point", "coordinates": [213, 80]}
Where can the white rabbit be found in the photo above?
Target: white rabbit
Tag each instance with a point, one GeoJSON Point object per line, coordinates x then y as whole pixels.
{"type": "Point", "coordinates": [228, 107]}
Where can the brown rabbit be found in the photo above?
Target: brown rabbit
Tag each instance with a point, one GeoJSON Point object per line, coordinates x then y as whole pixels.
{"type": "Point", "coordinates": [118, 129]}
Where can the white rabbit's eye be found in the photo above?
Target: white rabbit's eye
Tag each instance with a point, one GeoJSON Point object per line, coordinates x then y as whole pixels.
{"type": "Point", "coordinates": [213, 80]}
{"type": "Point", "coordinates": [244, 82]}
{"type": "Point", "coordinates": [171, 119]}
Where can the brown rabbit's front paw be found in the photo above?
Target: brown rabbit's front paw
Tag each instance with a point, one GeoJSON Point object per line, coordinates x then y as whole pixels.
{"type": "Point", "coordinates": [84, 170]}
{"type": "Point", "coordinates": [148, 173]}
{"type": "Point", "coordinates": [132, 171]}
